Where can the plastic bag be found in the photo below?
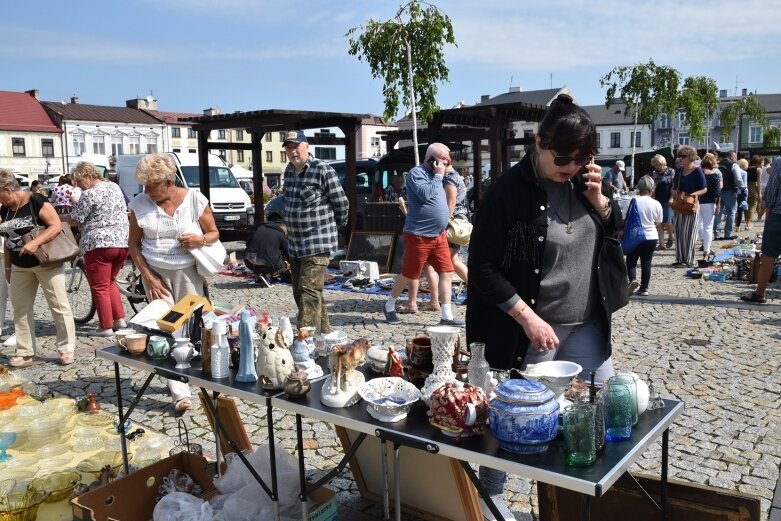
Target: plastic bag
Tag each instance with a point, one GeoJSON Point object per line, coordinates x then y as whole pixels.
{"type": "Point", "coordinates": [179, 506]}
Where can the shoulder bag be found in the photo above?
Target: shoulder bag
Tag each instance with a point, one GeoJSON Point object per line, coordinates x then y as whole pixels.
{"type": "Point", "coordinates": [459, 231]}
{"type": "Point", "coordinates": [611, 258]}
{"type": "Point", "coordinates": [62, 248]}
{"type": "Point", "coordinates": [209, 258]}
{"type": "Point", "coordinates": [683, 203]}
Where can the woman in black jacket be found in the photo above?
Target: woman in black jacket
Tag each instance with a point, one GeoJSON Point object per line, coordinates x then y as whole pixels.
{"type": "Point", "coordinates": [539, 288]}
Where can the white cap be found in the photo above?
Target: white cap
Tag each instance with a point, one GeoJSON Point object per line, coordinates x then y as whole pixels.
{"type": "Point", "coordinates": [219, 327]}
{"type": "Point", "coordinates": [621, 166]}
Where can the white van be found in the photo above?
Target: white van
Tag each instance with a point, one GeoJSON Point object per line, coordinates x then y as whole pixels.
{"type": "Point", "coordinates": [230, 204]}
{"type": "Point", "coordinates": [99, 160]}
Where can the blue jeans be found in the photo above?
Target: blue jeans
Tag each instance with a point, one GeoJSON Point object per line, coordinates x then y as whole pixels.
{"type": "Point", "coordinates": [729, 206]}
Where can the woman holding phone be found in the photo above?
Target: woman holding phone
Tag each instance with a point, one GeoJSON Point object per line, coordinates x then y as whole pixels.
{"type": "Point", "coordinates": [536, 289]}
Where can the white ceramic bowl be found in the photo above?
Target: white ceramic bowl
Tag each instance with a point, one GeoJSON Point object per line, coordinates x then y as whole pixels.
{"type": "Point", "coordinates": [389, 399]}
{"type": "Point", "coordinates": [554, 373]}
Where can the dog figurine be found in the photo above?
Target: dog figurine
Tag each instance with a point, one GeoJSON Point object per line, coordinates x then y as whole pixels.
{"type": "Point", "coordinates": [345, 358]}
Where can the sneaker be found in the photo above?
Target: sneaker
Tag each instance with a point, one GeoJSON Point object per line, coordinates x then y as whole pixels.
{"type": "Point", "coordinates": [669, 243]}
{"type": "Point", "coordinates": [103, 332]}
{"type": "Point", "coordinates": [452, 322]}
{"type": "Point", "coordinates": [633, 285]}
{"type": "Point", "coordinates": [642, 293]}
{"type": "Point", "coordinates": [391, 317]}
{"type": "Point", "coordinates": [262, 281]}
{"type": "Point", "coordinates": [120, 324]}
{"type": "Point", "coordinates": [10, 341]}
{"type": "Point", "coordinates": [501, 506]}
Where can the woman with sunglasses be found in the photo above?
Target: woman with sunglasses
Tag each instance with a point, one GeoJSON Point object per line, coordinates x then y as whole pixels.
{"type": "Point", "coordinates": [690, 179]}
{"type": "Point", "coordinates": [536, 290]}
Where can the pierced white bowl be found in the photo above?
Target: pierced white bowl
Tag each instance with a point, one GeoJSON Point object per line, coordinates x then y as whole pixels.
{"type": "Point", "coordinates": [389, 399]}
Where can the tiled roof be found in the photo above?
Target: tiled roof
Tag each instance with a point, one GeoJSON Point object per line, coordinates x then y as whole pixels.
{"type": "Point", "coordinates": [172, 117]}
{"type": "Point", "coordinates": [531, 97]}
{"type": "Point", "coordinates": [82, 112]}
{"type": "Point", "coordinates": [612, 116]}
{"type": "Point", "coordinates": [22, 112]}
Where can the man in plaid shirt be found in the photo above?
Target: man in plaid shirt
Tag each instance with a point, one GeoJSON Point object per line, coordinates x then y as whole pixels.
{"type": "Point", "coordinates": [315, 204]}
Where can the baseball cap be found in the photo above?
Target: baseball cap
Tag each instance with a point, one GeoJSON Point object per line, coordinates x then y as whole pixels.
{"type": "Point", "coordinates": [294, 136]}
{"type": "Point", "coordinates": [621, 166]}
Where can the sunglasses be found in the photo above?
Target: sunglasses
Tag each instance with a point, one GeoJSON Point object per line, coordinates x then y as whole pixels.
{"type": "Point", "coordinates": [565, 160]}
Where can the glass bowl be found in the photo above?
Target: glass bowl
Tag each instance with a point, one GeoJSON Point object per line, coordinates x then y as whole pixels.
{"type": "Point", "coordinates": [58, 485]}
{"type": "Point", "coordinates": [49, 451]}
{"type": "Point", "coordinates": [389, 399]}
{"type": "Point", "coordinates": [23, 506]}
{"type": "Point", "coordinates": [87, 430]}
{"type": "Point", "coordinates": [87, 443]}
{"type": "Point", "coordinates": [31, 409]}
{"type": "Point", "coordinates": [94, 465]}
{"type": "Point", "coordinates": [96, 419]}
{"type": "Point", "coordinates": [53, 463]}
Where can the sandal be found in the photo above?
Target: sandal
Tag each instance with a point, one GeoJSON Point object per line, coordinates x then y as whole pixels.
{"type": "Point", "coordinates": [428, 306]}
{"type": "Point", "coordinates": [183, 405]}
{"type": "Point", "coordinates": [753, 297]}
{"type": "Point", "coordinates": [407, 309]}
{"type": "Point", "coordinates": [20, 361]}
{"type": "Point", "coordinates": [67, 358]}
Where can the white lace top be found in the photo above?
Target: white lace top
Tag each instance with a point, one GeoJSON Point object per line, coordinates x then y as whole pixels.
{"type": "Point", "coordinates": [160, 243]}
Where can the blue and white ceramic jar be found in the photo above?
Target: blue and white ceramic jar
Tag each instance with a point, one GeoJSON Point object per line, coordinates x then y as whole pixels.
{"type": "Point", "coordinates": [524, 416]}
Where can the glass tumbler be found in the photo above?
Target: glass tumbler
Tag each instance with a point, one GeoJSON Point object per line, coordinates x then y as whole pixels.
{"type": "Point", "coordinates": [618, 412]}
{"type": "Point", "coordinates": [580, 448]}
{"type": "Point", "coordinates": [629, 381]}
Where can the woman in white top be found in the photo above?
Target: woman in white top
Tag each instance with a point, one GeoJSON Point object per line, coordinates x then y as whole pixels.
{"type": "Point", "coordinates": [650, 216]}
{"type": "Point", "coordinates": [158, 246]}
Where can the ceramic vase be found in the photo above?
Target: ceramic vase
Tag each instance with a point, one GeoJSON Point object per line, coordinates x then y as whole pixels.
{"type": "Point", "coordinates": [183, 352]}
{"type": "Point", "coordinates": [443, 344]}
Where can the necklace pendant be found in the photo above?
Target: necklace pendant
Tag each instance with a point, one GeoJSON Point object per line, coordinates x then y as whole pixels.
{"type": "Point", "coordinates": [569, 228]}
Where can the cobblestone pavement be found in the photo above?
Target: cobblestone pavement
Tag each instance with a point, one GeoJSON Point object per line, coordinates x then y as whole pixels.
{"type": "Point", "coordinates": [694, 339]}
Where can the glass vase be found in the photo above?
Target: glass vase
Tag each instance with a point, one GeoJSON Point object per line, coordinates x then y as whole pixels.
{"type": "Point", "coordinates": [477, 370]}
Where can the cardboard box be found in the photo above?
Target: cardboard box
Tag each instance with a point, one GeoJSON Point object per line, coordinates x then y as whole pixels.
{"type": "Point", "coordinates": [132, 498]}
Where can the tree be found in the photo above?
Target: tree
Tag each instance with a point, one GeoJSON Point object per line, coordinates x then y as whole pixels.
{"type": "Point", "coordinates": [647, 89]}
{"type": "Point", "coordinates": [734, 112]}
{"type": "Point", "coordinates": [772, 137]}
{"type": "Point", "coordinates": [698, 99]}
{"type": "Point", "coordinates": [407, 53]}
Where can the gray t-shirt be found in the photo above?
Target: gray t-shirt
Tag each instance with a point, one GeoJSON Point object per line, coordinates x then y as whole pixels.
{"type": "Point", "coordinates": [568, 288]}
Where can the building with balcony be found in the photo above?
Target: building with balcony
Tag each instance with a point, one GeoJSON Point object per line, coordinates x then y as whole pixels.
{"type": "Point", "coordinates": [616, 132]}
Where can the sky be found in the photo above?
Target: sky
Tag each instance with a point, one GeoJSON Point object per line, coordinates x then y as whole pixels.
{"type": "Point", "coordinates": [243, 55]}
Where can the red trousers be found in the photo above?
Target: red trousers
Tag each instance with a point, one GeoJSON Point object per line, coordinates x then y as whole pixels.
{"type": "Point", "coordinates": [102, 266]}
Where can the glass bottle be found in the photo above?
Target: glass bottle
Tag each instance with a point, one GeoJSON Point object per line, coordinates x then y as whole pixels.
{"type": "Point", "coordinates": [599, 415]}
{"type": "Point", "coordinates": [220, 350]}
{"type": "Point", "coordinates": [477, 370]}
{"type": "Point", "coordinates": [207, 340]}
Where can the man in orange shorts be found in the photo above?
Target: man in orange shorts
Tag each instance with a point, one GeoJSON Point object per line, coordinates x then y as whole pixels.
{"type": "Point", "coordinates": [425, 228]}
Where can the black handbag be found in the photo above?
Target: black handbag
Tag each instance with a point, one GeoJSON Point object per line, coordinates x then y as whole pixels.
{"type": "Point", "coordinates": [612, 259]}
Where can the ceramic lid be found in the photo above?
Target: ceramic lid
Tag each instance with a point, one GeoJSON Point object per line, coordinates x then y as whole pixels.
{"type": "Point", "coordinates": [524, 391]}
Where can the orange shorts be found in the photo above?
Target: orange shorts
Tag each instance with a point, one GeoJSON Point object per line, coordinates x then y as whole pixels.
{"type": "Point", "coordinates": [419, 250]}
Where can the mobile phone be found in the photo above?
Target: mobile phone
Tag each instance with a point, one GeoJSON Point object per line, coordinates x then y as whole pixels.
{"type": "Point", "coordinates": [433, 162]}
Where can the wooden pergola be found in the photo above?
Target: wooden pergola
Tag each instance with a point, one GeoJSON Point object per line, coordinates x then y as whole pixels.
{"type": "Point", "coordinates": [258, 122]}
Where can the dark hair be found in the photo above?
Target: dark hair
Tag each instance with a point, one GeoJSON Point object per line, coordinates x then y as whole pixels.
{"type": "Point", "coordinates": [35, 183]}
{"type": "Point", "coordinates": [567, 128]}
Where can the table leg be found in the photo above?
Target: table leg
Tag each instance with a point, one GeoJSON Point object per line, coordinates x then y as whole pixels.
{"type": "Point", "coordinates": [384, 467]}
{"type": "Point", "coordinates": [301, 467]}
{"type": "Point", "coordinates": [122, 436]}
{"type": "Point", "coordinates": [481, 489]}
{"type": "Point", "coordinates": [272, 458]}
{"type": "Point", "coordinates": [585, 513]}
{"type": "Point", "coordinates": [397, 480]}
{"type": "Point", "coordinates": [663, 490]}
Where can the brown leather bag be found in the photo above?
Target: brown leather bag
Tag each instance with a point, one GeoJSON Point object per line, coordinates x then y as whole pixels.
{"type": "Point", "coordinates": [684, 204]}
{"type": "Point", "coordinates": [62, 248]}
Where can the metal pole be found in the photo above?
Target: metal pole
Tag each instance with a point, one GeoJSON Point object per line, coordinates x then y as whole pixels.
{"type": "Point", "coordinates": [412, 102]}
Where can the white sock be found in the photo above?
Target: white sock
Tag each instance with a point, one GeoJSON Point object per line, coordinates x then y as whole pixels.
{"type": "Point", "coordinates": [390, 305]}
{"type": "Point", "coordinates": [447, 313]}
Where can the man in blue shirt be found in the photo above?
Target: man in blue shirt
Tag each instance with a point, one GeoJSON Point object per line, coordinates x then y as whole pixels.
{"type": "Point", "coordinates": [425, 237]}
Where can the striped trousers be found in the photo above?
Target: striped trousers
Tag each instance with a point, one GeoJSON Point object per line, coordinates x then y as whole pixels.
{"type": "Point", "coordinates": [685, 236]}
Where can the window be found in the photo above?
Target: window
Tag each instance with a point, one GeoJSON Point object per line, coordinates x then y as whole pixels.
{"type": "Point", "coordinates": [240, 156]}
{"type": "Point", "coordinates": [269, 155]}
{"type": "Point", "coordinates": [268, 137]}
{"type": "Point", "coordinates": [191, 133]}
{"type": "Point", "coordinates": [176, 150]}
{"type": "Point", "coordinates": [754, 135]}
{"type": "Point", "coordinates": [664, 121]}
{"type": "Point", "coordinates": [599, 140]}
{"type": "Point", "coordinates": [239, 135]}
{"type": "Point", "coordinates": [151, 144]}
{"type": "Point", "coordinates": [116, 145]}
{"type": "Point", "coordinates": [17, 144]}
{"type": "Point", "coordinates": [47, 147]}
{"type": "Point", "coordinates": [192, 150]}
{"type": "Point", "coordinates": [615, 140]}
{"type": "Point", "coordinates": [325, 153]}
{"type": "Point", "coordinates": [135, 144]}
{"type": "Point", "coordinates": [221, 134]}
{"type": "Point", "coordinates": [222, 153]}
{"type": "Point", "coordinates": [99, 144]}
{"type": "Point", "coordinates": [681, 118]}
{"type": "Point", "coordinates": [283, 157]}
{"type": "Point", "coordinates": [636, 136]}
{"type": "Point", "coordinates": [683, 139]}
{"type": "Point", "coordinates": [78, 145]}
{"type": "Point", "coordinates": [176, 132]}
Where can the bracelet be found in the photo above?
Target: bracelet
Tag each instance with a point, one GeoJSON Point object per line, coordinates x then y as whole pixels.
{"type": "Point", "coordinates": [607, 205]}
{"type": "Point", "coordinates": [519, 313]}
{"type": "Point", "coordinates": [203, 242]}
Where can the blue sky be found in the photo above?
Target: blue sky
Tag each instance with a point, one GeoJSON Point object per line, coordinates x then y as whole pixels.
{"type": "Point", "coordinates": [256, 54]}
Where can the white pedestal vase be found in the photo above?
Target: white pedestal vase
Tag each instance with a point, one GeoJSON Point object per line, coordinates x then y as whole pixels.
{"type": "Point", "coordinates": [443, 345]}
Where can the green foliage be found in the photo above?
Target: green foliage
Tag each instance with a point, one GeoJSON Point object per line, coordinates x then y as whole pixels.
{"type": "Point", "coordinates": [383, 45]}
{"type": "Point", "coordinates": [646, 88]}
{"type": "Point", "coordinates": [772, 137]}
{"type": "Point", "coordinates": [698, 99]}
{"type": "Point", "coordinates": [744, 106]}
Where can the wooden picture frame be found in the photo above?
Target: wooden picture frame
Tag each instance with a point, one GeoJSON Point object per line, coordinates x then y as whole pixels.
{"type": "Point", "coordinates": [372, 246]}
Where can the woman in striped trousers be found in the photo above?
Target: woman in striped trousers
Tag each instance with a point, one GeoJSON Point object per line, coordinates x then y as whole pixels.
{"type": "Point", "coordinates": [690, 179]}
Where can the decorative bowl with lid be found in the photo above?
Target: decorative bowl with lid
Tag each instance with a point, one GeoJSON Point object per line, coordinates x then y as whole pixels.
{"type": "Point", "coordinates": [524, 416]}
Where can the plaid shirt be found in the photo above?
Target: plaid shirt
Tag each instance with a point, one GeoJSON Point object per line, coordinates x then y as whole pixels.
{"type": "Point", "coordinates": [772, 196]}
{"type": "Point", "coordinates": [315, 203]}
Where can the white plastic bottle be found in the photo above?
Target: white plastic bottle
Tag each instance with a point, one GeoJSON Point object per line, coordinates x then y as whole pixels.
{"type": "Point", "coordinates": [220, 350]}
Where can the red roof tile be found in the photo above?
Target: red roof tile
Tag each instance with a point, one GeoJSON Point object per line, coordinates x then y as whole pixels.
{"type": "Point", "coordinates": [82, 112]}
{"type": "Point", "coordinates": [172, 117]}
{"type": "Point", "coordinates": [22, 112]}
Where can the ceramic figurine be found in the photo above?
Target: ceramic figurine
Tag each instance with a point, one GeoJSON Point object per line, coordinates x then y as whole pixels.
{"type": "Point", "coordinates": [275, 362]}
{"type": "Point", "coordinates": [300, 351]}
{"type": "Point", "coordinates": [340, 389]}
{"type": "Point", "coordinates": [297, 385]}
{"type": "Point", "coordinates": [247, 357]}
{"type": "Point", "coordinates": [393, 367]}
{"type": "Point", "coordinates": [459, 409]}
{"type": "Point", "coordinates": [287, 330]}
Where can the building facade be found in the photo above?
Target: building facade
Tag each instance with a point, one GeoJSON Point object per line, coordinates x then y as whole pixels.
{"type": "Point", "coordinates": [616, 132]}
